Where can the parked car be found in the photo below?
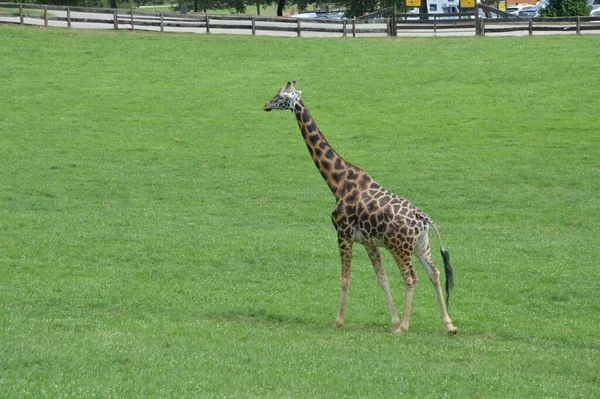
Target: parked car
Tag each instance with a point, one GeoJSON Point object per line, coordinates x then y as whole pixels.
{"type": "Point", "coordinates": [319, 14]}
{"type": "Point", "coordinates": [514, 9]}
{"type": "Point", "coordinates": [595, 13]}
{"type": "Point", "coordinates": [334, 15]}
{"type": "Point", "coordinates": [541, 5]}
{"type": "Point", "coordinates": [594, 4]}
{"type": "Point", "coordinates": [528, 12]}
{"type": "Point", "coordinates": [305, 15]}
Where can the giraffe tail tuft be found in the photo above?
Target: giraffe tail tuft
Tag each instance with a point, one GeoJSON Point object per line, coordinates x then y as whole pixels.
{"type": "Point", "coordinates": [447, 267]}
{"type": "Point", "coordinates": [449, 275]}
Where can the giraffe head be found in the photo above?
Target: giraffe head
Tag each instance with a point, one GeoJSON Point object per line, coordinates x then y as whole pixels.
{"type": "Point", "coordinates": [286, 98]}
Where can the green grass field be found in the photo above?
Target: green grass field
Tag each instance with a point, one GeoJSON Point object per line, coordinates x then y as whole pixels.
{"type": "Point", "coordinates": [161, 236]}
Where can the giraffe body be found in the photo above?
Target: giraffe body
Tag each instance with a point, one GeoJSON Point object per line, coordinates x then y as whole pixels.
{"type": "Point", "coordinates": [368, 214]}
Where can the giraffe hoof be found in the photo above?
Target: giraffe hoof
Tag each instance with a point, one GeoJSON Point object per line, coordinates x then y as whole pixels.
{"type": "Point", "coordinates": [397, 329]}
{"type": "Point", "coordinates": [452, 331]}
{"type": "Point", "coordinates": [339, 323]}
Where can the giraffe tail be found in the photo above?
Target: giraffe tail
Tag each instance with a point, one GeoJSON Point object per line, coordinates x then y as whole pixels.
{"type": "Point", "coordinates": [447, 268]}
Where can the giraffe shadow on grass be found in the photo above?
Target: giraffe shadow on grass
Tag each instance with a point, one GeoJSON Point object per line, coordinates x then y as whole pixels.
{"type": "Point", "coordinates": [266, 318]}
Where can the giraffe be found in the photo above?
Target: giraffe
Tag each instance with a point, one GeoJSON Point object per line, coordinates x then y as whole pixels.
{"type": "Point", "coordinates": [367, 214]}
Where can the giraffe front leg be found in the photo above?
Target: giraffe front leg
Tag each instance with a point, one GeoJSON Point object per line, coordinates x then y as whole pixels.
{"type": "Point", "coordinates": [345, 247]}
{"type": "Point", "coordinates": [409, 289]}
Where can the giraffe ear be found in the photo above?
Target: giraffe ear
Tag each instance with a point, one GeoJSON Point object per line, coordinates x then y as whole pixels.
{"type": "Point", "coordinates": [299, 93]}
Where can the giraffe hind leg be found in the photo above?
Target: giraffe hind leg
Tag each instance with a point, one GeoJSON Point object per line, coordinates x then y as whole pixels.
{"type": "Point", "coordinates": [375, 257]}
{"type": "Point", "coordinates": [403, 260]}
{"type": "Point", "coordinates": [423, 253]}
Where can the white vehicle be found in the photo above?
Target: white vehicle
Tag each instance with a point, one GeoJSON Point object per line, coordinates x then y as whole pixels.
{"type": "Point", "coordinates": [595, 4]}
{"type": "Point", "coordinates": [514, 9]}
{"type": "Point", "coordinates": [305, 15]}
{"type": "Point", "coordinates": [442, 6]}
{"type": "Point", "coordinates": [528, 12]}
{"type": "Point", "coordinates": [321, 14]}
{"type": "Point", "coordinates": [541, 5]}
{"type": "Point", "coordinates": [438, 7]}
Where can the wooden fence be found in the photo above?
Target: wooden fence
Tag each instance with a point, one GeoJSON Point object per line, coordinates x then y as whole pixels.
{"type": "Point", "coordinates": [382, 23]}
{"type": "Point", "coordinates": [531, 26]}
{"type": "Point", "coordinates": [435, 24]}
{"type": "Point", "coordinates": [99, 18]}
{"type": "Point", "coordinates": [495, 22]}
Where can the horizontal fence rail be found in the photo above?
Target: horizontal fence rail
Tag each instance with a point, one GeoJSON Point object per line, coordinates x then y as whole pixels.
{"type": "Point", "coordinates": [436, 24]}
{"type": "Point", "coordinates": [100, 18]}
{"type": "Point", "coordinates": [387, 22]}
{"type": "Point", "coordinates": [541, 24]}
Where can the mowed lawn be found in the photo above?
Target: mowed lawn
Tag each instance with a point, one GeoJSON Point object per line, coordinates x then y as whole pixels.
{"type": "Point", "coordinates": [162, 236]}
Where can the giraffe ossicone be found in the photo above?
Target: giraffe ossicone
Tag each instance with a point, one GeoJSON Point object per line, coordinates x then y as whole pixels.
{"type": "Point", "coordinates": [286, 98]}
{"type": "Point", "coordinates": [368, 214]}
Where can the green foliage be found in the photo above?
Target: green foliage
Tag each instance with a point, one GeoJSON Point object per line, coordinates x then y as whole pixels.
{"type": "Point", "coordinates": [357, 8]}
{"type": "Point", "coordinates": [566, 8]}
{"type": "Point", "coordinates": [235, 6]}
{"type": "Point", "coordinates": [161, 236]}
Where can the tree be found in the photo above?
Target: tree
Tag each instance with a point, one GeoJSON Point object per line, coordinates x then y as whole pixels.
{"type": "Point", "coordinates": [566, 8]}
{"type": "Point", "coordinates": [205, 5]}
{"type": "Point", "coordinates": [281, 4]}
{"type": "Point", "coordinates": [357, 8]}
{"type": "Point", "coordinates": [280, 7]}
{"type": "Point", "coordinates": [258, 4]}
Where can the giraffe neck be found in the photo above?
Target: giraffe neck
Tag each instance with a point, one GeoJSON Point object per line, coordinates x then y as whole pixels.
{"type": "Point", "coordinates": [334, 169]}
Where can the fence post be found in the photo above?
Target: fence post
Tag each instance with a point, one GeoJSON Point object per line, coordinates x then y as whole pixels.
{"type": "Point", "coordinates": [578, 29]}
{"type": "Point", "coordinates": [480, 26]}
{"type": "Point", "coordinates": [68, 17]}
{"type": "Point", "coordinates": [207, 24]}
{"type": "Point", "coordinates": [344, 28]}
{"type": "Point", "coordinates": [298, 28]}
{"type": "Point", "coordinates": [253, 26]}
{"type": "Point", "coordinates": [395, 22]}
{"type": "Point", "coordinates": [476, 16]}
{"type": "Point", "coordinates": [21, 18]}
{"type": "Point", "coordinates": [354, 28]}
{"type": "Point", "coordinates": [132, 15]}
{"type": "Point", "coordinates": [530, 26]}
{"type": "Point", "coordinates": [434, 25]}
{"type": "Point", "coordinates": [162, 22]}
{"type": "Point", "coordinates": [46, 16]}
{"type": "Point", "coordinates": [115, 20]}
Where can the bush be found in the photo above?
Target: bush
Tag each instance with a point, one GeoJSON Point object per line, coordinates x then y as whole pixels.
{"type": "Point", "coordinates": [566, 8]}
